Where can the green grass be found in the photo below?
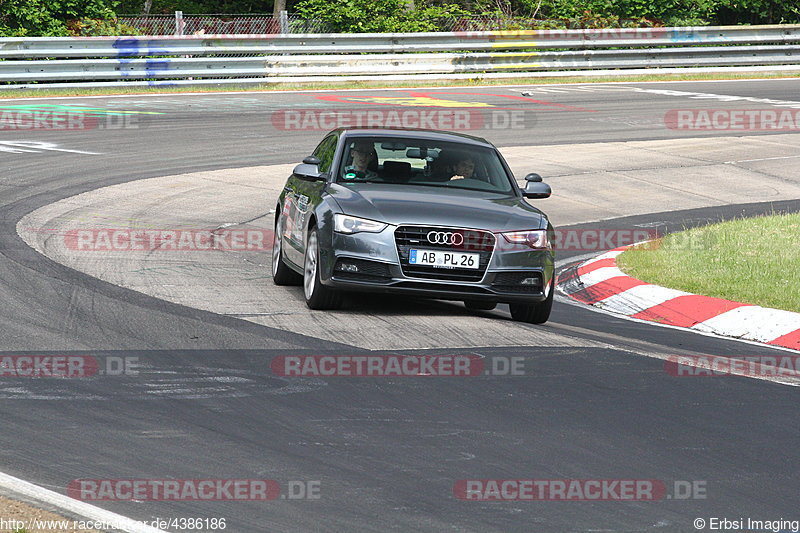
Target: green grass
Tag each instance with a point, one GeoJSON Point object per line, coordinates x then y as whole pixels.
{"type": "Point", "coordinates": [26, 93]}
{"type": "Point", "coordinates": [754, 260]}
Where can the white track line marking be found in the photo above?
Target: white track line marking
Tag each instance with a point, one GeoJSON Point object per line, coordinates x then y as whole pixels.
{"type": "Point", "coordinates": [762, 159]}
{"type": "Point", "coordinates": [437, 88]}
{"type": "Point", "coordinates": [38, 146]}
{"type": "Point", "coordinates": [76, 507]}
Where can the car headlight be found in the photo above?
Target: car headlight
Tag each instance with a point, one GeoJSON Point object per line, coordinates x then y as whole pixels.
{"type": "Point", "coordinates": [347, 224]}
{"type": "Point", "coordinates": [531, 238]}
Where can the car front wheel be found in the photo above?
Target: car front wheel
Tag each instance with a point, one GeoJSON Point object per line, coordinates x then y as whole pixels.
{"type": "Point", "coordinates": [317, 295]}
{"type": "Point", "coordinates": [537, 313]}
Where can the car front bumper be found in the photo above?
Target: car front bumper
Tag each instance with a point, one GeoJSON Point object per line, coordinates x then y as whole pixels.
{"type": "Point", "coordinates": [512, 275]}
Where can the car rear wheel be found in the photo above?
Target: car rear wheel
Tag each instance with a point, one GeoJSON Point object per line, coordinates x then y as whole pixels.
{"type": "Point", "coordinates": [477, 305]}
{"type": "Point", "coordinates": [317, 295]}
{"type": "Point", "coordinates": [537, 313]}
{"type": "Point", "coordinates": [281, 273]}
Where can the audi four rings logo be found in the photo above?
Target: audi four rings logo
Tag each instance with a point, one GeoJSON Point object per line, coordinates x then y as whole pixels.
{"type": "Point", "coordinates": [445, 237]}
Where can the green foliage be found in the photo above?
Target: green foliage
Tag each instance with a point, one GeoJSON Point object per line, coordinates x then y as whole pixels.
{"type": "Point", "coordinates": [197, 7]}
{"type": "Point", "coordinates": [759, 11]}
{"type": "Point", "coordinates": [591, 20]}
{"type": "Point", "coordinates": [20, 18]}
{"type": "Point", "coordinates": [367, 16]}
{"type": "Point", "coordinates": [98, 17]}
{"type": "Point", "coordinates": [439, 15]}
{"type": "Point", "coordinates": [622, 13]}
{"type": "Point", "coordinates": [573, 13]}
{"type": "Point", "coordinates": [678, 21]}
{"type": "Point", "coordinates": [86, 27]}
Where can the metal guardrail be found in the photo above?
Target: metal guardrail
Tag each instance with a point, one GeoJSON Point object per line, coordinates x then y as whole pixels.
{"type": "Point", "coordinates": [43, 61]}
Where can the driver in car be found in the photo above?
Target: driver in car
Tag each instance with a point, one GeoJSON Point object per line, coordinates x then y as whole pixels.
{"type": "Point", "coordinates": [463, 168]}
{"type": "Point", "coordinates": [363, 154]}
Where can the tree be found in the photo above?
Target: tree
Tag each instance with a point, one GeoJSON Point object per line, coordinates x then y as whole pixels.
{"type": "Point", "coordinates": [377, 15]}
{"type": "Point", "coordinates": [50, 17]}
{"type": "Point", "coordinates": [758, 12]}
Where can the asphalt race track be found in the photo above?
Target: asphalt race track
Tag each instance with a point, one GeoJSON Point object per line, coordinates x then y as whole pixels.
{"type": "Point", "coordinates": [594, 401]}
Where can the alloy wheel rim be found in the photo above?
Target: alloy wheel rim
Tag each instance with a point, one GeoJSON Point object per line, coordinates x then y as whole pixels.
{"type": "Point", "coordinates": [310, 271]}
{"type": "Point", "coordinates": [276, 246]}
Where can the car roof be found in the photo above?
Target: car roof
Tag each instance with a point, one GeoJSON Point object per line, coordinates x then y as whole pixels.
{"type": "Point", "coordinates": [432, 135]}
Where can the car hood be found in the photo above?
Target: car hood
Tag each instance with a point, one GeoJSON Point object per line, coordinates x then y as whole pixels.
{"type": "Point", "coordinates": [436, 206]}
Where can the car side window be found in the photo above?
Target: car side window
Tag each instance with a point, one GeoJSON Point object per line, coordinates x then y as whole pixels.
{"type": "Point", "coordinates": [325, 152]}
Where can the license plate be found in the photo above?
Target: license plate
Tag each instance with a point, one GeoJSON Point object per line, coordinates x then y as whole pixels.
{"type": "Point", "coordinates": [443, 259]}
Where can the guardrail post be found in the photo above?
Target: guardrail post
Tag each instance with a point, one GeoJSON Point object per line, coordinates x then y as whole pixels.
{"type": "Point", "coordinates": [179, 24]}
{"type": "Point", "coordinates": [283, 20]}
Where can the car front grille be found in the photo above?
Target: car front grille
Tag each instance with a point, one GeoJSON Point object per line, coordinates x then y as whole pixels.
{"type": "Point", "coordinates": [470, 241]}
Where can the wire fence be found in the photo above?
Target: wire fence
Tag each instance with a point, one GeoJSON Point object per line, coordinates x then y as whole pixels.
{"type": "Point", "coordinates": [488, 23]}
{"type": "Point", "coordinates": [266, 24]}
{"type": "Point", "coordinates": [220, 24]}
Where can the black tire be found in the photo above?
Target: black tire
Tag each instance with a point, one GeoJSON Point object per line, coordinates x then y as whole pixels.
{"type": "Point", "coordinates": [477, 305]}
{"type": "Point", "coordinates": [537, 313]}
{"type": "Point", "coordinates": [318, 296]}
{"type": "Point", "coordinates": [281, 273]}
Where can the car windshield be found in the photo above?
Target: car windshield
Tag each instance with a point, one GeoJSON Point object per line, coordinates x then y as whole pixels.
{"type": "Point", "coordinates": [423, 162]}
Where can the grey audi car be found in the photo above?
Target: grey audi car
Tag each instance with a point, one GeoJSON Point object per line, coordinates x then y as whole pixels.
{"type": "Point", "coordinates": [425, 213]}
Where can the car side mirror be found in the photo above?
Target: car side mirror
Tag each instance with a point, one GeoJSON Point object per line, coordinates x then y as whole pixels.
{"type": "Point", "coordinates": [536, 189]}
{"type": "Point", "coordinates": [309, 171]}
{"type": "Point", "coordinates": [533, 176]}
